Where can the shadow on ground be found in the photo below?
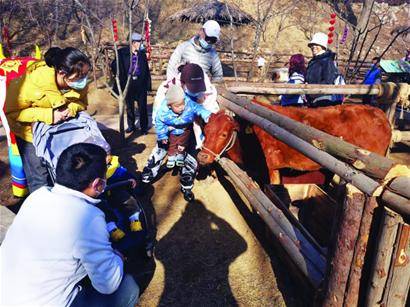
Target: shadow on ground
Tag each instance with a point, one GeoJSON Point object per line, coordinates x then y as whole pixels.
{"type": "Point", "coordinates": [196, 254]}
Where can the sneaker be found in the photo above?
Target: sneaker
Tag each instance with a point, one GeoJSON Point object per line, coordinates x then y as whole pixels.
{"type": "Point", "coordinates": [147, 176]}
{"type": "Point", "coordinates": [117, 234]}
{"type": "Point", "coordinates": [171, 161]}
{"type": "Point", "coordinates": [180, 160]}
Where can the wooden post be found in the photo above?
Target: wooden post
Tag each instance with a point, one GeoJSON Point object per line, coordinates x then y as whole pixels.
{"type": "Point", "coordinates": [400, 279]}
{"type": "Point", "coordinates": [308, 260]}
{"type": "Point", "coordinates": [346, 236]}
{"type": "Point", "coordinates": [383, 256]}
{"type": "Point", "coordinates": [353, 286]}
{"type": "Point", "coordinates": [370, 163]}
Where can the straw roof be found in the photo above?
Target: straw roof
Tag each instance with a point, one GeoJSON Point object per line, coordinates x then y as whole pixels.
{"type": "Point", "coordinates": [216, 10]}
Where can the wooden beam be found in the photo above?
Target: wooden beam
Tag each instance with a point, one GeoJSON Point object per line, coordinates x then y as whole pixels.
{"type": "Point", "coordinates": [302, 253]}
{"type": "Point", "coordinates": [292, 89]}
{"type": "Point", "coordinates": [340, 261]}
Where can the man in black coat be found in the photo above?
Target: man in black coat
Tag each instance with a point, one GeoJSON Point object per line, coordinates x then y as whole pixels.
{"type": "Point", "coordinates": [322, 70]}
{"type": "Point", "coordinates": [140, 82]}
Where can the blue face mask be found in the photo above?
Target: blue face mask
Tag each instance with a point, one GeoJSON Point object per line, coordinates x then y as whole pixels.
{"type": "Point", "coordinates": [204, 44]}
{"type": "Point", "coordinates": [79, 84]}
{"type": "Point", "coordinates": [194, 95]}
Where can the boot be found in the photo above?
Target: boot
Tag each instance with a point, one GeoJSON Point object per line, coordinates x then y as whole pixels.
{"type": "Point", "coordinates": [188, 195]}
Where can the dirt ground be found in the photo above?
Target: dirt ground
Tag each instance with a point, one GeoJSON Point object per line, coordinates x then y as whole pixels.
{"type": "Point", "coordinates": [207, 254]}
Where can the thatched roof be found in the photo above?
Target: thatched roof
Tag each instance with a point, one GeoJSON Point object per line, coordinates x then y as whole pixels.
{"type": "Point", "coordinates": [215, 10]}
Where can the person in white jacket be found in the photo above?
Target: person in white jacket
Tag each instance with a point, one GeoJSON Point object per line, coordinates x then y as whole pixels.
{"type": "Point", "coordinates": [57, 251]}
{"type": "Point", "coordinates": [200, 49]}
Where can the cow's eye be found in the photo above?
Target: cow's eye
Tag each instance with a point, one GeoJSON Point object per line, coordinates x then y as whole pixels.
{"type": "Point", "coordinates": [224, 135]}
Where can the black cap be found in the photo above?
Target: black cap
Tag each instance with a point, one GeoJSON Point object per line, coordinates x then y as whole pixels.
{"type": "Point", "coordinates": [193, 77]}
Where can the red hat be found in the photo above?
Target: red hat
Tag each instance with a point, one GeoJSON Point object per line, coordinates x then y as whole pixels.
{"type": "Point", "coordinates": [193, 77]}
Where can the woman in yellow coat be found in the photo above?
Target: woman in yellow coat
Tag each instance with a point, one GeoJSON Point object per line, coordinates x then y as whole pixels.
{"type": "Point", "coordinates": [50, 91]}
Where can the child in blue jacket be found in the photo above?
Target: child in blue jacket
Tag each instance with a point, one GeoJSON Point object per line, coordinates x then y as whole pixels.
{"type": "Point", "coordinates": [173, 123]}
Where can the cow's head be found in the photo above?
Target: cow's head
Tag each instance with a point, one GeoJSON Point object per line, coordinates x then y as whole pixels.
{"type": "Point", "coordinates": [220, 132]}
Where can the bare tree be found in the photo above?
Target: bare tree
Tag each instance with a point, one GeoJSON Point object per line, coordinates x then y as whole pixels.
{"type": "Point", "coordinates": [264, 14]}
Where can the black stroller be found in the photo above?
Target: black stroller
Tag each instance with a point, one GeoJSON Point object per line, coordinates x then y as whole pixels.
{"type": "Point", "coordinates": [118, 198]}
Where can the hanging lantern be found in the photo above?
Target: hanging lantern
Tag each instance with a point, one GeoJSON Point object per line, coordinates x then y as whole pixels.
{"type": "Point", "coordinates": [332, 22]}
{"type": "Point", "coordinates": [115, 29]}
{"type": "Point", "coordinates": [147, 32]}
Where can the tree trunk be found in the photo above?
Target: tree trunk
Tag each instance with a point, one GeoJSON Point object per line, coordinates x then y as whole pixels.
{"type": "Point", "coordinates": [256, 43]}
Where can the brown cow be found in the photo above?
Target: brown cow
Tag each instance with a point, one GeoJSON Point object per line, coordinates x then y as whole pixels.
{"type": "Point", "coordinates": [363, 126]}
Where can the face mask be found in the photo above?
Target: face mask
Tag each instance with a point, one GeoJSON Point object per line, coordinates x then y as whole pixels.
{"type": "Point", "coordinates": [204, 44]}
{"type": "Point", "coordinates": [194, 95]}
{"type": "Point", "coordinates": [79, 84]}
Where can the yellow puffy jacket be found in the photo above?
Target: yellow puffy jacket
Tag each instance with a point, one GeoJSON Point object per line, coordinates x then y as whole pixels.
{"type": "Point", "coordinates": [34, 96]}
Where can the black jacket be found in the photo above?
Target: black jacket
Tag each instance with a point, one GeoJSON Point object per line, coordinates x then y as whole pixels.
{"type": "Point", "coordinates": [322, 69]}
{"type": "Point", "coordinates": [143, 83]}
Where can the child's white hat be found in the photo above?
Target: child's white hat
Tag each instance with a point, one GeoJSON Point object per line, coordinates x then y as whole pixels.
{"type": "Point", "coordinates": [175, 93]}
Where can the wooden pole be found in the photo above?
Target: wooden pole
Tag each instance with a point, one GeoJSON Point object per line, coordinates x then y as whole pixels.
{"type": "Point", "coordinates": [301, 252]}
{"type": "Point", "coordinates": [353, 286]}
{"type": "Point", "coordinates": [400, 279]}
{"type": "Point", "coordinates": [383, 255]}
{"type": "Point", "coordinates": [340, 262]}
{"type": "Point", "coordinates": [291, 89]}
{"type": "Point", "coordinates": [370, 163]}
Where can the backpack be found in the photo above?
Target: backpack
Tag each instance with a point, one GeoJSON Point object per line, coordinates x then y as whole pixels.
{"type": "Point", "coordinates": [339, 80]}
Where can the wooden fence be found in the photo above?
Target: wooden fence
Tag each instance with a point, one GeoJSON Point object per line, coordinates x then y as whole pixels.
{"type": "Point", "coordinates": [369, 262]}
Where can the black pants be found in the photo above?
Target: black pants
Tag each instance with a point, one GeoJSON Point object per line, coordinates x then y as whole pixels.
{"type": "Point", "coordinates": [36, 173]}
{"type": "Point", "coordinates": [142, 109]}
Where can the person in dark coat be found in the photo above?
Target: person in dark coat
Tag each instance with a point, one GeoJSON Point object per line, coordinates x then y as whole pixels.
{"type": "Point", "coordinates": [140, 82]}
{"type": "Point", "coordinates": [322, 70]}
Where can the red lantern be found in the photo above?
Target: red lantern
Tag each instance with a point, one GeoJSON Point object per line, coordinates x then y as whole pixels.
{"type": "Point", "coordinates": [330, 34]}
{"type": "Point", "coordinates": [331, 29]}
{"type": "Point", "coordinates": [333, 15]}
{"type": "Point", "coordinates": [115, 29]}
{"type": "Point", "coordinates": [329, 41]}
{"type": "Point", "coordinates": [332, 21]}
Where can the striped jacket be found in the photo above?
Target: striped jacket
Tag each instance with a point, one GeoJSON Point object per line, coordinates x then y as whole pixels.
{"type": "Point", "coordinates": [295, 100]}
{"type": "Point", "coordinates": [190, 52]}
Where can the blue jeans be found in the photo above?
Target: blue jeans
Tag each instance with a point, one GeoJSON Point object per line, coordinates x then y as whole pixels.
{"type": "Point", "coordinates": [126, 295]}
{"type": "Point", "coordinates": [36, 173]}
